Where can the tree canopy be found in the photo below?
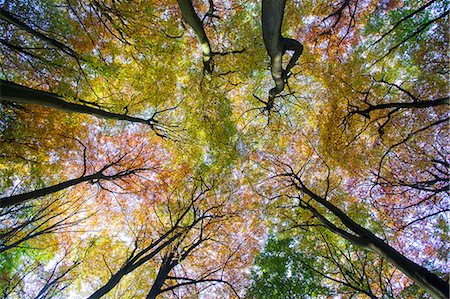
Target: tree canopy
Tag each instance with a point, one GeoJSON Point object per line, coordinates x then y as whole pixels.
{"type": "Point", "coordinates": [224, 149]}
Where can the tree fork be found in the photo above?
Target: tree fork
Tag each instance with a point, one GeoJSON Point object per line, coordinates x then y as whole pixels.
{"type": "Point", "coordinates": [134, 262]}
{"type": "Point", "coordinates": [276, 45]}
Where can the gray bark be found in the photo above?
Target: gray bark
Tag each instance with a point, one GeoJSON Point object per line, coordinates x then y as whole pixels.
{"type": "Point", "coordinates": [191, 17]}
{"type": "Point", "coordinates": [13, 92]}
{"type": "Point", "coordinates": [276, 45]}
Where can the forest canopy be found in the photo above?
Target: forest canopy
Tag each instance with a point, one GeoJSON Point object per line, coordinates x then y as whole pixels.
{"type": "Point", "coordinates": [224, 149]}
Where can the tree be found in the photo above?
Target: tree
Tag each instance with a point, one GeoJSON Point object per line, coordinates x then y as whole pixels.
{"type": "Point", "coordinates": [191, 17]}
{"type": "Point", "coordinates": [50, 283]}
{"type": "Point", "coordinates": [24, 231]}
{"type": "Point", "coordinates": [21, 94]}
{"type": "Point", "coordinates": [189, 167]}
{"type": "Point", "coordinates": [272, 18]}
{"type": "Point", "coordinates": [25, 223]}
{"type": "Point", "coordinates": [357, 234]}
{"type": "Point", "coordinates": [119, 167]}
{"type": "Point", "coordinates": [180, 236]}
{"type": "Point", "coordinates": [174, 234]}
{"type": "Point", "coordinates": [288, 270]}
{"type": "Point", "coordinates": [281, 273]}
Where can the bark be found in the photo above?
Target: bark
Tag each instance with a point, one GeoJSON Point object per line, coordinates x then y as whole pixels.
{"type": "Point", "coordinates": [276, 45]}
{"type": "Point", "coordinates": [13, 92]}
{"type": "Point", "coordinates": [133, 263]}
{"type": "Point", "coordinates": [24, 197]}
{"type": "Point", "coordinates": [191, 17]}
{"type": "Point", "coordinates": [408, 105]}
{"type": "Point", "coordinates": [146, 254]}
{"type": "Point", "coordinates": [433, 284]}
{"type": "Point", "coordinates": [167, 264]}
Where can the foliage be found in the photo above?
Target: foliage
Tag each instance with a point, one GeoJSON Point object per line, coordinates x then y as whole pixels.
{"type": "Point", "coordinates": [281, 273]}
{"type": "Point", "coordinates": [158, 178]}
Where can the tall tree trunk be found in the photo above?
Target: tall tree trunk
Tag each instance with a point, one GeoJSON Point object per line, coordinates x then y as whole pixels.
{"type": "Point", "coordinates": [13, 92]}
{"type": "Point", "coordinates": [21, 198]}
{"type": "Point", "coordinates": [433, 284]}
{"type": "Point", "coordinates": [191, 17]}
{"type": "Point", "coordinates": [272, 19]}
{"type": "Point", "coordinates": [166, 265]}
{"type": "Point", "coordinates": [134, 263]}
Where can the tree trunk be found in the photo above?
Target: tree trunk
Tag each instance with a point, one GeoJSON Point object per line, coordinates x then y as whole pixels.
{"type": "Point", "coordinates": [191, 17]}
{"type": "Point", "coordinates": [272, 19]}
{"type": "Point", "coordinates": [13, 92]}
{"type": "Point", "coordinates": [164, 270]}
{"type": "Point", "coordinates": [21, 198]}
{"type": "Point", "coordinates": [433, 284]}
{"type": "Point", "coordinates": [134, 263]}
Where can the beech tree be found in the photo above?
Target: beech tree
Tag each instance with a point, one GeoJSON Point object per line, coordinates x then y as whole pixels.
{"type": "Point", "coordinates": [172, 149]}
{"type": "Point", "coordinates": [360, 236]}
{"type": "Point", "coordinates": [21, 94]}
{"type": "Point", "coordinates": [272, 17]}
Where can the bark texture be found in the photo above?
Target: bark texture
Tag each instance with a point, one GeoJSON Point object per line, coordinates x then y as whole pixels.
{"type": "Point", "coordinates": [276, 45]}
{"type": "Point", "coordinates": [13, 92]}
{"type": "Point", "coordinates": [191, 17]}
